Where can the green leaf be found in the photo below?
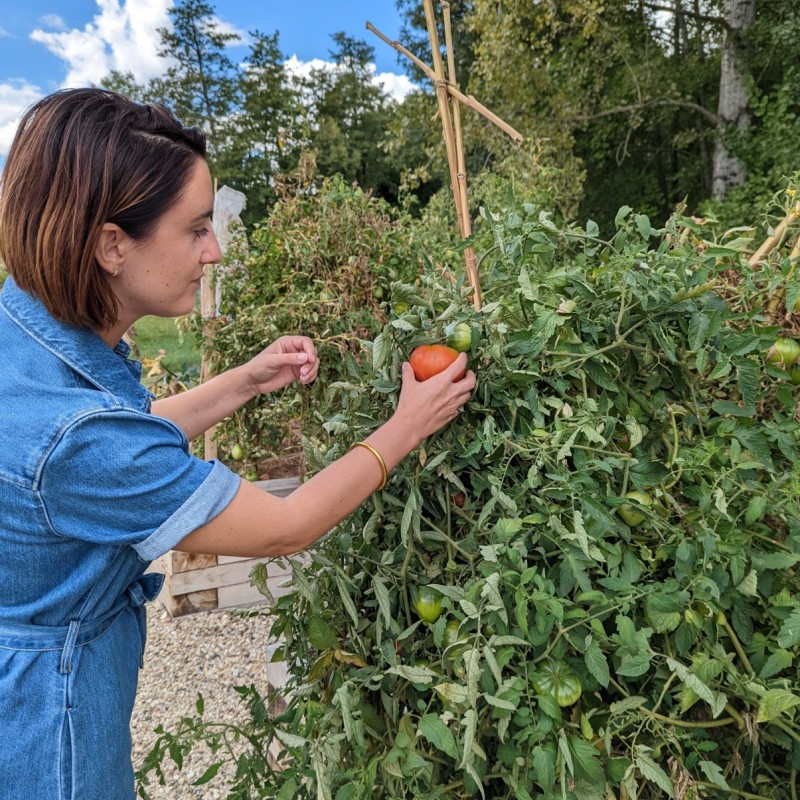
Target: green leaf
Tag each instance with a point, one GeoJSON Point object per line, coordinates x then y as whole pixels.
{"type": "Point", "coordinates": [653, 773]}
{"type": "Point", "coordinates": [774, 703]}
{"type": "Point", "coordinates": [410, 519]}
{"type": "Point", "coordinates": [780, 560]}
{"type": "Point", "coordinates": [789, 634]}
{"type": "Point", "coordinates": [347, 601]}
{"type": "Point", "coordinates": [626, 705]}
{"type": "Point", "coordinates": [663, 612]}
{"type": "Point", "coordinates": [320, 634]}
{"type": "Point", "coordinates": [596, 663]}
{"type": "Point", "coordinates": [755, 509]}
{"type": "Point", "coordinates": [438, 734]}
{"type": "Point", "coordinates": [586, 762]}
{"type": "Point", "coordinates": [470, 722]}
{"type": "Point", "coordinates": [729, 408]}
{"type": "Point", "coordinates": [621, 214]}
{"type": "Point", "coordinates": [749, 585]}
{"type": "Point", "coordinates": [209, 774]}
{"type": "Point", "coordinates": [414, 674]}
{"type": "Point", "coordinates": [498, 702]}
{"type": "Point", "coordinates": [776, 663]}
{"type": "Point", "coordinates": [544, 767]}
{"type": "Point", "coordinates": [643, 225]}
{"type": "Point", "coordinates": [380, 350]}
{"type": "Point", "coordinates": [634, 666]}
{"type": "Point", "coordinates": [384, 601]}
{"type": "Point", "coordinates": [698, 327]}
{"type": "Point", "coordinates": [343, 696]}
{"type": "Point", "coordinates": [749, 382]}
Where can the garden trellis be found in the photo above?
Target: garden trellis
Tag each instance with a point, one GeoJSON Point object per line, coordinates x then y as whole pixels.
{"type": "Point", "coordinates": [449, 99]}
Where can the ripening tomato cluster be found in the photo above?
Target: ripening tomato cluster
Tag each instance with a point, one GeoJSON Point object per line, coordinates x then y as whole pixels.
{"type": "Point", "coordinates": [428, 360]}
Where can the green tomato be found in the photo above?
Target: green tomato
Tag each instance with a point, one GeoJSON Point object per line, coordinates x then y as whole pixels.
{"type": "Point", "coordinates": [400, 307]}
{"type": "Point", "coordinates": [556, 679]}
{"type": "Point", "coordinates": [459, 336]}
{"type": "Point", "coordinates": [794, 375]}
{"type": "Point", "coordinates": [428, 604]}
{"type": "Point", "coordinates": [784, 352]}
{"type": "Point", "coordinates": [452, 636]}
{"type": "Point", "coordinates": [378, 292]}
{"type": "Point", "coordinates": [630, 513]}
{"type": "Point", "coordinates": [237, 452]}
{"type": "Point", "coordinates": [251, 475]}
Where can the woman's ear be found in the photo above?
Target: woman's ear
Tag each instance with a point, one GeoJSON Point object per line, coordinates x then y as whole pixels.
{"type": "Point", "coordinates": [111, 248]}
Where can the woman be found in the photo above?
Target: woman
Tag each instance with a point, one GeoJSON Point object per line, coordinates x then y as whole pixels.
{"type": "Point", "coordinates": [105, 211]}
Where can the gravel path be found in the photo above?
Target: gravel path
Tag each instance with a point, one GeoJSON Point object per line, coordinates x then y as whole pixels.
{"type": "Point", "coordinates": [207, 652]}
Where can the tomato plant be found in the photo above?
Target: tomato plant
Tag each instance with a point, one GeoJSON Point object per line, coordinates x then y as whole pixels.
{"type": "Point", "coordinates": [610, 364]}
{"type": "Point", "coordinates": [428, 360]}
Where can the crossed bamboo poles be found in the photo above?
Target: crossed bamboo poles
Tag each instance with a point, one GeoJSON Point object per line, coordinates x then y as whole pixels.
{"type": "Point", "coordinates": [449, 99]}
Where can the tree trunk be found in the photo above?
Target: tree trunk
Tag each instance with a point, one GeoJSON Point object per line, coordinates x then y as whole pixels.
{"type": "Point", "coordinates": [733, 108]}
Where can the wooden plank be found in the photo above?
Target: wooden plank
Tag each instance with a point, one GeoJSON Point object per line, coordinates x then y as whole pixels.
{"type": "Point", "coordinates": [280, 487]}
{"type": "Point", "coordinates": [196, 582]}
{"type": "Point", "coordinates": [213, 577]}
{"type": "Point", "coordinates": [239, 595]}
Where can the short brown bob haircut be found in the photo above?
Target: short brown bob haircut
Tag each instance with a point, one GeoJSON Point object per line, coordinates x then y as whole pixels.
{"type": "Point", "coordinates": [81, 158]}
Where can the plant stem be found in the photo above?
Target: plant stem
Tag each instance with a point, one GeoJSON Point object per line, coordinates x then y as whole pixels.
{"type": "Point", "coordinates": [723, 620]}
{"type": "Point", "coordinates": [681, 723]}
{"type": "Point", "coordinates": [737, 792]}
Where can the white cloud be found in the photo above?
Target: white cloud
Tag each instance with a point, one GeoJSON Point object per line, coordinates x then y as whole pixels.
{"type": "Point", "coordinates": [396, 86]}
{"type": "Point", "coordinates": [54, 21]}
{"type": "Point", "coordinates": [15, 97]}
{"type": "Point", "coordinates": [223, 26]}
{"type": "Point", "coordinates": [4, 33]}
{"type": "Point", "coordinates": [121, 36]}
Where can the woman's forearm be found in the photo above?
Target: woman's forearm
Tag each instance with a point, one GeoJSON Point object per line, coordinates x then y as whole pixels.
{"type": "Point", "coordinates": [205, 405]}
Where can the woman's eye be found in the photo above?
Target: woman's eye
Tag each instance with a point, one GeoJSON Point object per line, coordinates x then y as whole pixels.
{"type": "Point", "coordinates": [202, 232]}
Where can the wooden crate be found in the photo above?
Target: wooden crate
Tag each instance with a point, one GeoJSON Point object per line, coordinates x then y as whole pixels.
{"type": "Point", "coordinates": [204, 582]}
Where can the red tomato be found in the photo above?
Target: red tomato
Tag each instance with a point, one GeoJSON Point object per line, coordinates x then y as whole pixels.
{"type": "Point", "coordinates": [428, 360]}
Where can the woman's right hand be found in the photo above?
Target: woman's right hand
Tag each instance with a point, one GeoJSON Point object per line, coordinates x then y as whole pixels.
{"type": "Point", "coordinates": [427, 406]}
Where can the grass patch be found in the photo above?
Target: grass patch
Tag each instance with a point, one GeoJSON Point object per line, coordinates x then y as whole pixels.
{"type": "Point", "coordinates": [150, 335]}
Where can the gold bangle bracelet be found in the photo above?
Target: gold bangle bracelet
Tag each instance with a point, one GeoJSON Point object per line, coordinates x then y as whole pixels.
{"type": "Point", "coordinates": [384, 471]}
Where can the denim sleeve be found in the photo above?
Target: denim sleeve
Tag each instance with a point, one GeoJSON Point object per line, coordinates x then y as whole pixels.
{"type": "Point", "coordinates": [124, 477]}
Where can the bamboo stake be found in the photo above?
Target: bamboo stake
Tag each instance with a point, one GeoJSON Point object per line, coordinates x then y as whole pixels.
{"type": "Point", "coordinates": [444, 110]}
{"type": "Point", "coordinates": [470, 262]}
{"type": "Point", "coordinates": [780, 292]}
{"type": "Point", "coordinates": [208, 310]}
{"type": "Point", "coordinates": [448, 98]}
{"type": "Point", "coordinates": [467, 100]}
{"type": "Point", "coordinates": [777, 237]}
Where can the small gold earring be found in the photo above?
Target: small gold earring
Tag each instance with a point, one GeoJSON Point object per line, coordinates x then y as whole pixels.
{"type": "Point", "coordinates": [116, 270]}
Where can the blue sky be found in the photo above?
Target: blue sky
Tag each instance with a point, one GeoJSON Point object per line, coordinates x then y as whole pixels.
{"type": "Point", "coordinates": [47, 44]}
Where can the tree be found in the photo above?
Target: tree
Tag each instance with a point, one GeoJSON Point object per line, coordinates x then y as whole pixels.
{"type": "Point", "coordinates": [734, 108]}
{"type": "Point", "coordinates": [201, 83]}
{"type": "Point", "coordinates": [349, 114]}
{"type": "Point", "coordinates": [264, 135]}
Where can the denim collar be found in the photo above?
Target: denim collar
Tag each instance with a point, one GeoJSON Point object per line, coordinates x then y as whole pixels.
{"type": "Point", "coordinates": [80, 348]}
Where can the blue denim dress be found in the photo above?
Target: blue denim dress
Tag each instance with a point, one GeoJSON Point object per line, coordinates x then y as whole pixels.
{"type": "Point", "coordinates": [92, 488]}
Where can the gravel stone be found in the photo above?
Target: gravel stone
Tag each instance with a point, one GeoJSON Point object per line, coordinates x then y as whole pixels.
{"type": "Point", "coordinates": [208, 652]}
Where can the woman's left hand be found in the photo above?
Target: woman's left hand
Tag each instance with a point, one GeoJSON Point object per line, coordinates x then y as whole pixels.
{"type": "Point", "coordinates": [288, 359]}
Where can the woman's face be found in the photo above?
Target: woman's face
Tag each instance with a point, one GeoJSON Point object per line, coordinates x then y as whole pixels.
{"type": "Point", "coordinates": [161, 274]}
